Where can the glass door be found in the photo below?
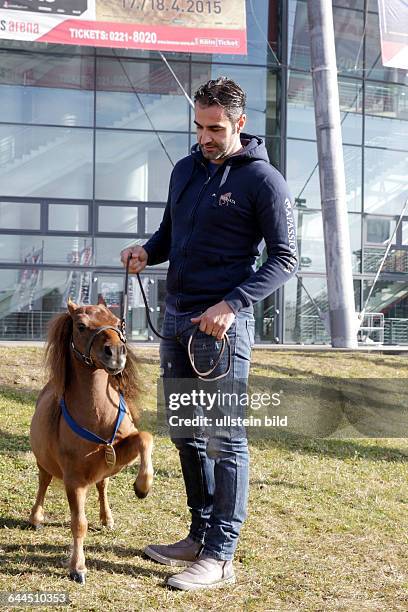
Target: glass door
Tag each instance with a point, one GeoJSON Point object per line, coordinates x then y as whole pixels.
{"type": "Point", "coordinates": [109, 288]}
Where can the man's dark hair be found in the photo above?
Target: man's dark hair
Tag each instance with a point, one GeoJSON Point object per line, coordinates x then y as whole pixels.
{"type": "Point", "coordinates": [225, 93]}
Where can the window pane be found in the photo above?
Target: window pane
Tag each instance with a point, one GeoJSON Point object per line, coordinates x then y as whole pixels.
{"type": "Point", "coordinates": [391, 299]}
{"type": "Point", "coordinates": [385, 180]}
{"type": "Point", "coordinates": [44, 88]}
{"type": "Point", "coordinates": [301, 116]}
{"type": "Point", "coordinates": [386, 120]}
{"type": "Point", "coordinates": [120, 219]}
{"type": "Point", "coordinates": [137, 94]}
{"type": "Point", "coordinates": [405, 232]}
{"type": "Point", "coordinates": [68, 217]}
{"type": "Point", "coordinates": [30, 298]}
{"type": "Point", "coordinates": [134, 166]}
{"type": "Point", "coordinates": [46, 162]}
{"type": "Point", "coordinates": [153, 219]}
{"type": "Point", "coordinates": [348, 30]}
{"type": "Point", "coordinates": [45, 249]}
{"type": "Point", "coordinates": [379, 230]}
{"type": "Point", "coordinates": [378, 233]}
{"type": "Point", "coordinates": [302, 321]}
{"type": "Point", "coordinates": [20, 215]}
{"type": "Point", "coordinates": [303, 174]}
{"type": "Point", "coordinates": [108, 250]}
{"type": "Point", "coordinates": [311, 240]}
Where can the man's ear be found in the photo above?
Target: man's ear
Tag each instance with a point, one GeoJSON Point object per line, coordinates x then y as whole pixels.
{"type": "Point", "coordinates": [241, 123]}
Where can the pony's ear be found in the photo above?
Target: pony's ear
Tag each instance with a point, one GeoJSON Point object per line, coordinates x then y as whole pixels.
{"type": "Point", "coordinates": [101, 300]}
{"type": "Point", "coordinates": [72, 307]}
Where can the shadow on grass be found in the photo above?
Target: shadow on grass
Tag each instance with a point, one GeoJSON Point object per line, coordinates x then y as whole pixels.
{"type": "Point", "coordinates": [7, 522]}
{"type": "Point", "coordinates": [11, 443]}
{"type": "Point", "coordinates": [48, 558]}
{"type": "Point", "coordinates": [337, 449]}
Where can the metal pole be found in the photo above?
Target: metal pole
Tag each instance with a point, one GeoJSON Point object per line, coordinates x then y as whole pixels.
{"type": "Point", "coordinates": [342, 317]}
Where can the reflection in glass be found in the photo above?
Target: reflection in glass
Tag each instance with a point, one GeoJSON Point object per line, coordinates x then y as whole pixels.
{"type": "Point", "coordinates": [379, 230]}
{"type": "Point", "coordinates": [46, 88]}
{"type": "Point", "coordinates": [311, 240]}
{"type": "Point", "coordinates": [68, 71]}
{"type": "Point", "coordinates": [302, 321]}
{"type": "Point", "coordinates": [391, 299]}
{"type": "Point", "coordinates": [118, 219]}
{"type": "Point", "coordinates": [385, 181]}
{"type": "Point", "coordinates": [68, 217]}
{"type": "Point", "coordinates": [301, 115]}
{"type": "Point", "coordinates": [153, 219]}
{"type": "Point", "coordinates": [303, 297]}
{"type": "Point", "coordinates": [386, 120]}
{"type": "Point", "coordinates": [30, 297]}
{"type": "Point", "coordinates": [134, 166]}
{"type": "Point", "coordinates": [303, 174]}
{"type": "Point", "coordinates": [33, 249]}
{"type": "Point", "coordinates": [66, 107]}
{"type": "Point", "coordinates": [139, 94]}
{"type": "Point", "coordinates": [107, 250]}
{"type": "Point", "coordinates": [45, 162]}
{"type": "Point", "coordinates": [348, 29]}
{"type": "Point", "coordinates": [404, 238]}
{"type": "Point", "coordinates": [20, 215]}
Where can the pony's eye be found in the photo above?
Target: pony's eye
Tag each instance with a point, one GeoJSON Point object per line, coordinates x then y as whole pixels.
{"type": "Point", "coordinates": [81, 327]}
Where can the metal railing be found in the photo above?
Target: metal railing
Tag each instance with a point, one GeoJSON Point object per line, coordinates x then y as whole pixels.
{"type": "Point", "coordinates": [31, 325]}
{"type": "Point", "coordinates": [395, 331]}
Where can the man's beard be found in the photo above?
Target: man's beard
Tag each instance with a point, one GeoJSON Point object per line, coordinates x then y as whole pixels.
{"type": "Point", "coordinates": [218, 153]}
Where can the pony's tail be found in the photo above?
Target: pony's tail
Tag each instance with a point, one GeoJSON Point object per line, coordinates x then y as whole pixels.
{"type": "Point", "coordinates": [57, 352]}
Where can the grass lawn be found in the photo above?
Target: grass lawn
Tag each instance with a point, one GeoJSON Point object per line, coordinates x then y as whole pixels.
{"type": "Point", "coordinates": [327, 526]}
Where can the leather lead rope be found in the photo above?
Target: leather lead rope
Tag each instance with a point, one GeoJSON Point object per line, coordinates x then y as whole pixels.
{"type": "Point", "coordinates": [201, 375]}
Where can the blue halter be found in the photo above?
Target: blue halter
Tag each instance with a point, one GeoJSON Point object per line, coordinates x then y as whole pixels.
{"type": "Point", "coordinates": [85, 433]}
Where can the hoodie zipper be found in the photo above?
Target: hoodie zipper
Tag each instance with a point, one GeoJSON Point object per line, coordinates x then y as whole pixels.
{"type": "Point", "coordinates": [187, 240]}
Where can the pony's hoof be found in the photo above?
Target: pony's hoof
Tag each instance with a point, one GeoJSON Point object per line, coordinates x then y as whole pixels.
{"type": "Point", "coordinates": [35, 527]}
{"type": "Point", "coordinates": [140, 494]}
{"type": "Point", "coordinates": [79, 577]}
{"type": "Point", "coordinates": [109, 525]}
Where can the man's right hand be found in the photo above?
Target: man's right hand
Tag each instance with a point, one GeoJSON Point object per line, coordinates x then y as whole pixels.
{"type": "Point", "coordinates": [138, 260]}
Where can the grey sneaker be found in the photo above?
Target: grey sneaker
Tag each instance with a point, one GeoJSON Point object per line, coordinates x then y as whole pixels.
{"type": "Point", "coordinates": [182, 553]}
{"type": "Point", "coordinates": [205, 573]}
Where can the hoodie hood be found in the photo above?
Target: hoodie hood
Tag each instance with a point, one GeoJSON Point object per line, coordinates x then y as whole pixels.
{"type": "Point", "coordinates": [253, 149]}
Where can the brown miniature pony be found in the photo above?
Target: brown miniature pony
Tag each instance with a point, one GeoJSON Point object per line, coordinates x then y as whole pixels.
{"type": "Point", "coordinates": [89, 367]}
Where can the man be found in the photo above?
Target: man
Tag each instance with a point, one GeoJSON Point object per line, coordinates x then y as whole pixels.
{"type": "Point", "coordinates": [223, 199]}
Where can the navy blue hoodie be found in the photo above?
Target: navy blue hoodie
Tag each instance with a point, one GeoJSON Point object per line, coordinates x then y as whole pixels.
{"type": "Point", "coordinates": [213, 224]}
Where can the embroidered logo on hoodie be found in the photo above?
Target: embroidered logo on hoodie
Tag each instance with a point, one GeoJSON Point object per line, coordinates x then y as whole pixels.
{"type": "Point", "coordinates": [226, 200]}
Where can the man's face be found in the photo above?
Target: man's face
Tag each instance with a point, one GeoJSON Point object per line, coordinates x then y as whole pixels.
{"type": "Point", "coordinates": [217, 136]}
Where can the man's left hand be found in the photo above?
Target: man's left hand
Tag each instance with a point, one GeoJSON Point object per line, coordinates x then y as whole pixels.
{"type": "Point", "coordinates": [216, 320]}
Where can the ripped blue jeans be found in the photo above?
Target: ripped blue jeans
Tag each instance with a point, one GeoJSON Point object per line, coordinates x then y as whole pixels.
{"type": "Point", "coordinates": [216, 467]}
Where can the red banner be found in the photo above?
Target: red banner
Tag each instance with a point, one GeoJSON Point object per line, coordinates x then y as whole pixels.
{"type": "Point", "coordinates": [394, 32]}
{"type": "Point", "coordinates": [191, 26]}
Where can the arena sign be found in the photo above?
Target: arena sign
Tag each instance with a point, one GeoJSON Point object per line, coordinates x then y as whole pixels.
{"type": "Point", "coordinates": [394, 32]}
{"type": "Point", "coordinates": [191, 26]}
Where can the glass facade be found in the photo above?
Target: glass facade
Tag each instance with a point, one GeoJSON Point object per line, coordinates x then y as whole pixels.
{"type": "Point", "coordinates": [88, 139]}
{"type": "Point", "coordinates": [374, 117]}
